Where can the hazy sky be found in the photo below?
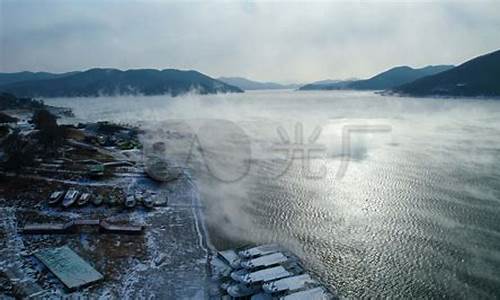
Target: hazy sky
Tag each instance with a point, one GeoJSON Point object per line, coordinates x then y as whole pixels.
{"type": "Point", "coordinates": [280, 41]}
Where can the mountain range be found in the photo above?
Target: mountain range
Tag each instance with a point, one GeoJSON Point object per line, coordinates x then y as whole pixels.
{"type": "Point", "coordinates": [386, 80]}
{"type": "Point", "coordinates": [109, 82]}
{"type": "Point", "coordinates": [247, 84]}
{"type": "Point", "coordinates": [327, 85]}
{"type": "Point", "coordinates": [6, 78]}
{"type": "Point", "coordinates": [477, 77]}
{"type": "Point", "coordinates": [396, 76]}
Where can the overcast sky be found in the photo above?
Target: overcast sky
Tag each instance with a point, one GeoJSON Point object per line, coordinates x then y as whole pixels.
{"type": "Point", "coordinates": [279, 41]}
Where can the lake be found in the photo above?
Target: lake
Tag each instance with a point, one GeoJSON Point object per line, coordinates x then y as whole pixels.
{"type": "Point", "coordinates": [380, 196]}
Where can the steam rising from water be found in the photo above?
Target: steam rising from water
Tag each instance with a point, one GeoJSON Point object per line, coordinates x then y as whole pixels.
{"type": "Point", "coordinates": [416, 213]}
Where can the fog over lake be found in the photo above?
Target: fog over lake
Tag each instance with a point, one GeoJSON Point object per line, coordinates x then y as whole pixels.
{"type": "Point", "coordinates": [415, 214]}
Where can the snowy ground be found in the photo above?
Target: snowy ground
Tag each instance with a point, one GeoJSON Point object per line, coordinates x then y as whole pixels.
{"type": "Point", "coordinates": [169, 261]}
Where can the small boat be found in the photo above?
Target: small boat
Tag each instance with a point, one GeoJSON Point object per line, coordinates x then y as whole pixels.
{"type": "Point", "coordinates": [318, 293]}
{"type": "Point", "coordinates": [230, 257]}
{"type": "Point", "coordinates": [70, 198]}
{"type": "Point", "coordinates": [161, 170]}
{"type": "Point", "coordinates": [220, 268]}
{"type": "Point", "coordinates": [97, 201]}
{"type": "Point", "coordinates": [138, 196]}
{"type": "Point", "coordinates": [84, 199]}
{"type": "Point", "coordinates": [290, 284]}
{"type": "Point", "coordinates": [55, 197]}
{"type": "Point", "coordinates": [148, 202]}
{"type": "Point", "coordinates": [264, 275]}
{"type": "Point", "coordinates": [264, 261]}
{"type": "Point", "coordinates": [130, 201]}
{"type": "Point", "coordinates": [113, 201]}
{"type": "Point", "coordinates": [259, 250]}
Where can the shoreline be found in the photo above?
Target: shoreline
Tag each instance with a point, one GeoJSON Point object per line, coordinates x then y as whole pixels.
{"type": "Point", "coordinates": [174, 248]}
{"type": "Point", "coordinates": [163, 253]}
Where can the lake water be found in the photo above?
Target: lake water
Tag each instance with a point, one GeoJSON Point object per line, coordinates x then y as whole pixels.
{"type": "Point", "coordinates": [380, 196]}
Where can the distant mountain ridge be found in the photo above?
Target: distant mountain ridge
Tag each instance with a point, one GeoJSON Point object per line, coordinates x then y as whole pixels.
{"type": "Point", "coordinates": [327, 85]}
{"type": "Point", "coordinates": [247, 84]}
{"type": "Point", "coordinates": [397, 76]}
{"type": "Point", "coordinates": [327, 81]}
{"type": "Point", "coordinates": [6, 78]}
{"type": "Point", "coordinates": [109, 82]}
{"type": "Point", "coordinates": [479, 76]}
{"type": "Point", "coordinates": [386, 80]}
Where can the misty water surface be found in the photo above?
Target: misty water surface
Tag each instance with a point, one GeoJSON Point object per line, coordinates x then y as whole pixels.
{"type": "Point", "coordinates": [416, 213]}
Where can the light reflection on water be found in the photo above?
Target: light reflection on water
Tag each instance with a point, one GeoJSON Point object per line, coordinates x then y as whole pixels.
{"type": "Point", "coordinates": [416, 215]}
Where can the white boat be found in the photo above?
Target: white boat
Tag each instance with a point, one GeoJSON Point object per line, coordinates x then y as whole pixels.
{"type": "Point", "coordinates": [265, 275]}
{"type": "Point", "coordinates": [70, 198]}
{"type": "Point", "coordinates": [259, 250]}
{"type": "Point", "coordinates": [288, 284]}
{"type": "Point", "coordinates": [84, 199]}
{"type": "Point", "coordinates": [55, 197]}
{"type": "Point", "coordinates": [318, 293]}
{"type": "Point", "coordinates": [264, 261]}
{"type": "Point", "coordinates": [231, 258]}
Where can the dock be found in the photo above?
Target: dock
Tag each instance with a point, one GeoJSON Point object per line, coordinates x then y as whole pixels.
{"type": "Point", "coordinates": [268, 272]}
{"type": "Point", "coordinates": [73, 226]}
